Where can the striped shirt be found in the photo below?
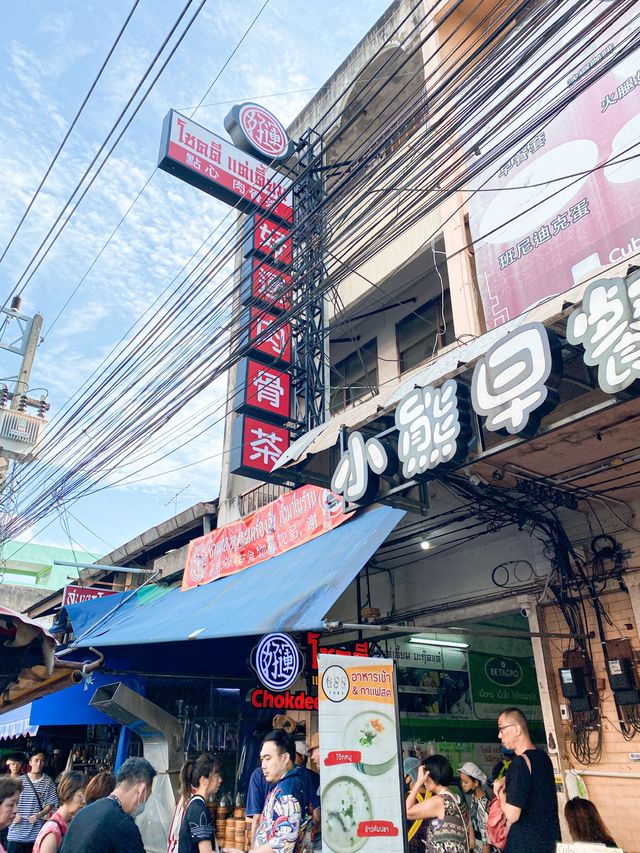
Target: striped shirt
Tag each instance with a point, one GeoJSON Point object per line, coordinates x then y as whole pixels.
{"type": "Point", "coordinates": [28, 805]}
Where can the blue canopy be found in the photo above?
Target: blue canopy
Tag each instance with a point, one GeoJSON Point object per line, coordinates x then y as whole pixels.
{"type": "Point", "coordinates": [290, 592]}
{"type": "Point", "coordinates": [68, 707]}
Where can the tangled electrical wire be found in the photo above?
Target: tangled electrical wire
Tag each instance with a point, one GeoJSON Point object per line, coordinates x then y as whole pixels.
{"type": "Point", "coordinates": [191, 337]}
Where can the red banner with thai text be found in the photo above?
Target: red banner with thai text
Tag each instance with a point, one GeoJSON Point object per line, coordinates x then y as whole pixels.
{"type": "Point", "coordinates": [291, 520]}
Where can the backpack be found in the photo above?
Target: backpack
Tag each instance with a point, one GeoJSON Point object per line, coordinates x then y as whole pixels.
{"type": "Point", "coordinates": [497, 826]}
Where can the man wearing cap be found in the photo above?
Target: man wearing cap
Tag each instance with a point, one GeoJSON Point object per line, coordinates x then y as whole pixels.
{"type": "Point", "coordinates": [472, 781]}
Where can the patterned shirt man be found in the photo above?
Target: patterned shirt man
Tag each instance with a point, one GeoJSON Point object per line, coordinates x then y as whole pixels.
{"type": "Point", "coordinates": [37, 800]}
{"type": "Point", "coordinates": [285, 822]}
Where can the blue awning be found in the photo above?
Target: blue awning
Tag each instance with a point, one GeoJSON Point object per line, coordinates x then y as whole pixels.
{"type": "Point", "coordinates": [16, 723]}
{"type": "Point", "coordinates": [67, 707]}
{"type": "Point", "coordinates": [290, 592]}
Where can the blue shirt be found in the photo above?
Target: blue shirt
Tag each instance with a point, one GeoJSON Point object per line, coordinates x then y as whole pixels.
{"type": "Point", "coordinates": [257, 792]}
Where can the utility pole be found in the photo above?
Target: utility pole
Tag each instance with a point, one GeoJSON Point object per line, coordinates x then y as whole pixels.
{"type": "Point", "coordinates": [19, 431]}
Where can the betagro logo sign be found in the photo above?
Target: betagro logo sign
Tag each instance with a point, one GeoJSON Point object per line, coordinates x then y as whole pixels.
{"type": "Point", "coordinates": [504, 672]}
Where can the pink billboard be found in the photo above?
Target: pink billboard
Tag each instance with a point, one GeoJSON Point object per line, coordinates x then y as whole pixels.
{"type": "Point", "coordinates": [564, 202]}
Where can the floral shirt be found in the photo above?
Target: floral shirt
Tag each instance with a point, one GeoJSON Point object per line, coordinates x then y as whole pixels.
{"type": "Point", "coordinates": [285, 822]}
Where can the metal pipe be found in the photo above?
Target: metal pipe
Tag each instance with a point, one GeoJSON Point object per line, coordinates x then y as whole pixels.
{"type": "Point", "coordinates": [444, 629]}
{"type": "Point", "coordinates": [609, 774]}
{"type": "Point", "coordinates": [81, 666]}
{"type": "Point", "coordinates": [129, 570]}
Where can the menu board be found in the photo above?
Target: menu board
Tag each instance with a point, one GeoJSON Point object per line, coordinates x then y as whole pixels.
{"type": "Point", "coordinates": [360, 756]}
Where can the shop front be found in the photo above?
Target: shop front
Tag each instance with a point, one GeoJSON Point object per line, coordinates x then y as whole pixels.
{"type": "Point", "coordinates": [223, 662]}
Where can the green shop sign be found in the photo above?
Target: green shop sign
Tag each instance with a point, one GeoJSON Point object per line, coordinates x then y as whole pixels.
{"type": "Point", "coordinates": [498, 681]}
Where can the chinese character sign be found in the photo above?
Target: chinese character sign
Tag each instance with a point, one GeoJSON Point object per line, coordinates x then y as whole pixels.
{"type": "Point", "coordinates": [607, 325]}
{"type": "Point", "coordinates": [262, 388]}
{"type": "Point", "coordinates": [360, 755]}
{"type": "Point", "coordinates": [267, 336]}
{"type": "Point", "coordinates": [357, 475]}
{"type": "Point", "coordinates": [269, 240]}
{"type": "Point", "coordinates": [212, 164]}
{"type": "Point", "coordinates": [256, 130]}
{"type": "Point", "coordinates": [428, 422]}
{"type": "Point", "coordinates": [277, 661]}
{"type": "Point", "coordinates": [263, 283]}
{"type": "Point", "coordinates": [563, 203]}
{"type": "Point", "coordinates": [513, 385]}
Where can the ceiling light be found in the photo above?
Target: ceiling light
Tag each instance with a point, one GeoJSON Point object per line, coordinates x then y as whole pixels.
{"type": "Point", "coordinates": [425, 544]}
{"type": "Point", "coordinates": [447, 644]}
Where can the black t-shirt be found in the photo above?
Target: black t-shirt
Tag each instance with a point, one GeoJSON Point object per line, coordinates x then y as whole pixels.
{"type": "Point", "coordinates": [538, 828]}
{"type": "Point", "coordinates": [196, 826]}
{"type": "Point", "coordinates": [102, 827]}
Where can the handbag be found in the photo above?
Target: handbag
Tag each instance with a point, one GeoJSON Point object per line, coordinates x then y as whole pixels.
{"type": "Point", "coordinates": [497, 824]}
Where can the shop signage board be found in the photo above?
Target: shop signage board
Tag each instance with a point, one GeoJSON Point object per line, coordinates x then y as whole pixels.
{"type": "Point", "coordinates": [531, 242]}
{"type": "Point", "coordinates": [277, 661]}
{"type": "Point", "coordinates": [513, 386]}
{"type": "Point", "coordinates": [75, 594]}
{"type": "Point", "coordinates": [212, 164]}
{"type": "Point", "coordinates": [261, 282]}
{"type": "Point", "coordinates": [360, 756]}
{"type": "Point", "coordinates": [258, 131]}
{"type": "Point", "coordinates": [262, 389]}
{"type": "Point", "coordinates": [256, 445]}
{"type": "Point", "coordinates": [267, 239]}
{"type": "Point", "coordinates": [266, 336]}
{"type": "Point", "coordinates": [289, 521]}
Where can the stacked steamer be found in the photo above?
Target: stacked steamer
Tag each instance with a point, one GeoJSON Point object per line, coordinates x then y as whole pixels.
{"type": "Point", "coordinates": [239, 841]}
{"type": "Point", "coordinates": [221, 825]}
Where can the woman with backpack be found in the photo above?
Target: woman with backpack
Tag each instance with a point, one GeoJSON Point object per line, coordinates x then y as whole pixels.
{"type": "Point", "coordinates": [448, 825]}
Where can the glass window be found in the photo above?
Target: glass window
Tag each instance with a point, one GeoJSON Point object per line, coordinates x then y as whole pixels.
{"type": "Point", "coordinates": [355, 377]}
{"type": "Point", "coordinates": [423, 332]}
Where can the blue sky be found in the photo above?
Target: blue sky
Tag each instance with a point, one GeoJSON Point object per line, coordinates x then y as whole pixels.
{"type": "Point", "coordinates": [49, 54]}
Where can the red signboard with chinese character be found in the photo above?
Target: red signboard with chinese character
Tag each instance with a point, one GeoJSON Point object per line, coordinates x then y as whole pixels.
{"type": "Point", "coordinates": [294, 518]}
{"type": "Point", "coordinates": [74, 594]}
{"type": "Point", "coordinates": [263, 389]}
{"type": "Point", "coordinates": [263, 283]}
{"type": "Point", "coordinates": [256, 130]}
{"type": "Point", "coordinates": [211, 163]}
{"type": "Point", "coordinates": [257, 445]}
{"type": "Point", "coordinates": [268, 338]}
{"type": "Point", "coordinates": [268, 239]}
{"type": "Point", "coordinates": [563, 204]}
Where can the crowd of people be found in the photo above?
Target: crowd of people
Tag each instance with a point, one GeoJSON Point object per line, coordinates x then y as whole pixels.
{"type": "Point", "coordinates": [518, 814]}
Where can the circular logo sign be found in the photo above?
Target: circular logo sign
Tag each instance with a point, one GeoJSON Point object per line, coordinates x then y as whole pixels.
{"type": "Point", "coordinates": [258, 132]}
{"type": "Point", "coordinates": [335, 683]}
{"type": "Point", "coordinates": [263, 130]}
{"type": "Point", "coordinates": [198, 564]}
{"type": "Point", "coordinates": [277, 661]}
{"type": "Point", "coordinates": [503, 671]}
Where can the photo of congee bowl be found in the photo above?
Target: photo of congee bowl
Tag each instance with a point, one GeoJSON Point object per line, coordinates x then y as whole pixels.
{"type": "Point", "coordinates": [374, 735]}
{"type": "Point", "coordinates": [345, 804]}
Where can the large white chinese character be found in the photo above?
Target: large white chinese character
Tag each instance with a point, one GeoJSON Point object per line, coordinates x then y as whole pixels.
{"type": "Point", "coordinates": [608, 327]}
{"type": "Point", "coordinates": [429, 425]}
{"type": "Point", "coordinates": [277, 661]}
{"type": "Point", "coordinates": [352, 478]}
{"type": "Point", "coordinates": [277, 341]}
{"type": "Point", "coordinates": [265, 446]}
{"type": "Point", "coordinates": [509, 382]}
{"type": "Point", "coordinates": [269, 387]}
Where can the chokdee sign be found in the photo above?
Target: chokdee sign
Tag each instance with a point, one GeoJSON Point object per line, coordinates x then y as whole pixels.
{"type": "Point", "coordinates": [289, 521]}
{"type": "Point", "coordinates": [210, 163]}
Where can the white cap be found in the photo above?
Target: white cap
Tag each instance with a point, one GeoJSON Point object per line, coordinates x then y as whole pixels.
{"type": "Point", "coordinates": [472, 770]}
{"type": "Point", "coordinates": [301, 748]}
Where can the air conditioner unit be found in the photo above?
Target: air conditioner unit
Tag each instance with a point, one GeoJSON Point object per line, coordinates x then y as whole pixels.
{"type": "Point", "coordinates": [20, 433]}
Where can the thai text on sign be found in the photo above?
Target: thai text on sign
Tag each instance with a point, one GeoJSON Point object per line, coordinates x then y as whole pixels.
{"type": "Point", "coordinates": [289, 521]}
{"type": "Point", "coordinates": [360, 755]}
